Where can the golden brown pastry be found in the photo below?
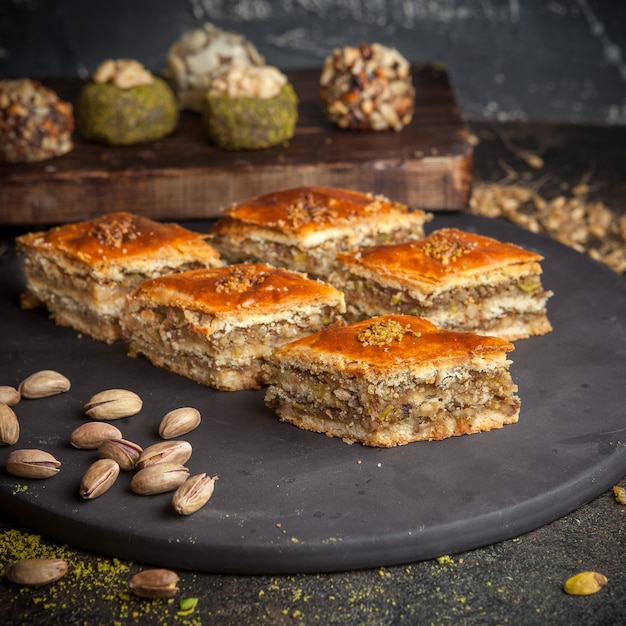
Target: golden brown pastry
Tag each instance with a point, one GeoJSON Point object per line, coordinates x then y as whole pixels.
{"type": "Point", "coordinates": [392, 380]}
{"type": "Point", "coordinates": [456, 279]}
{"type": "Point", "coordinates": [83, 271]}
{"type": "Point", "coordinates": [220, 326]}
{"type": "Point", "coordinates": [304, 228]}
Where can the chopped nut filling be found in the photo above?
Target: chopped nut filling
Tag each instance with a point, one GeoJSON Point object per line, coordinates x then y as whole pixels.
{"type": "Point", "coordinates": [115, 233]}
{"type": "Point", "coordinates": [240, 279]}
{"type": "Point", "coordinates": [383, 332]}
{"type": "Point", "coordinates": [443, 248]}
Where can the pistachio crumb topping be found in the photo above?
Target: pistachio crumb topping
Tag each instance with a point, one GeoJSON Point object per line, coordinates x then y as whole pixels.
{"type": "Point", "coordinates": [383, 332]}
{"type": "Point", "coordinates": [307, 208]}
{"type": "Point", "coordinates": [239, 279]}
{"type": "Point", "coordinates": [444, 248]}
{"type": "Point", "coordinates": [115, 233]}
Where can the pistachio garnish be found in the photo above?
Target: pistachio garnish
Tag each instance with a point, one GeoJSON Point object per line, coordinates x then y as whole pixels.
{"type": "Point", "coordinates": [9, 425]}
{"type": "Point", "coordinates": [43, 384]}
{"type": "Point", "coordinates": [159, 478]}
{"type": "Point", "coordinates": [113, 404]}
{"type": "Point", "coordinates": [9, 395]}
{"type": "Point", "coordinates": [165, 452]}
{"type": "Point", "coordinates": [124, 452]}
{"type": "Point", "coordinates": [155, 583]}
{"type": "Point", "coordinates": [32, 463]}
{"type": "Point", "coordinates": [179, 422]}
{"type": "Point", "coordinates": [585, 583]}
{"type": "Point", "coordinates": [193, 494]}
{"type": "Point", "coordinates": [90, 435]}
{"type": "Point", "coordinates": [36, 572]}
{"type": "Point", "coordinates": [99, 478]}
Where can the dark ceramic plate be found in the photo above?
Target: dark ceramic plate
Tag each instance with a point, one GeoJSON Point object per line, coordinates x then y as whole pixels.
{"type": "Point", "coordinates": [291, 501]}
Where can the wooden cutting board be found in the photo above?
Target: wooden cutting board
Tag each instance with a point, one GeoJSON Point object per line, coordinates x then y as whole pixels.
{"type": "Point", "coordinates": [427, 165]}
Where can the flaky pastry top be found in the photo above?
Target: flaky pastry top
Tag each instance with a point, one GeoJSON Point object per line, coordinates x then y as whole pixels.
{"type": "Point", "coordinates": [390, 343]}
{"type": "Point", "coordinates": [116, 238]}
{"type": "Point", "coordinates": [441, 257]}
{"type": "Point", "coordinates": [304, 210]}
{"type": "Point", "coordinates": [241, 287]}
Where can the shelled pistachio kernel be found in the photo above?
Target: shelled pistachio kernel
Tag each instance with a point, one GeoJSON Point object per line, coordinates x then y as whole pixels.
{"type": "Point", "coordinates": [193, 494]}
{"type": "Point", "coordinates": [43, 384]}
{"type": "Point", "coordinates": [155, 583]}
{"type": "Point", "coordinates": [90, 435]}
{"type": "Point", "coordinates": [36, 572]}
{"type": "Point", "coordinates": [113, 404]}
{"type": "Point", "coordinates": [99, 478]}
{"type": "Point", "coordinates": [32, 463]}
{"type": "Point", "coordinates": [179, 422]}
{"type": "Point", "coordinates": [585, 583]}
{"type": "Point", "coordinates": [9, 395]}
{"type": "Point", "coordinates": [9, 425]}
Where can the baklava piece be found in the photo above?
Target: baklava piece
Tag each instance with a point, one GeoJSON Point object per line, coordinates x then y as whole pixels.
{"type": "Point", "coordinates": [392, 380]}
{"type": "Point", "coordinates": [84, 271]}
{"type": "Point", "coordinates": [220, 327]}
{"type": "Point", "coordinates": [303, 228]}
{"type": "Point", "coordinates": [457, 280]}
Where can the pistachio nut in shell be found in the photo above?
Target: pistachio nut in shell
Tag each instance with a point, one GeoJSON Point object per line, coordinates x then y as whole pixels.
{"type": "Point", "coordinates": [165, 452]}
{"type": "Point", "coordinates": [36, 572]}
{"type": "Point", "coordinates": [179, 422]}
{"type": "Point", "coordinates": [113, 404]}
{"type": "Point", "coordinates": [159, 478]}
{"type": "Point", "coordinates": [585, 583]}
{"type": "Point", "coordinates": [43, 384]}
{"type": "Point", "coordinates": [90, 435]}
{"type": "Point", "coordinates": [32, 463]}
{"type": "Point", "coordinates": [193, 494]}
{"type": "Point", "coordinates": [99, 478]}
{"type": "Point", "coordinates": [9, 395]}
{"type": "Point", "coordinates": [124, 452]}
{"type": "Point", "coordinates": [154, 583]}
{"type": "Point", "coordinates": [9, 426]}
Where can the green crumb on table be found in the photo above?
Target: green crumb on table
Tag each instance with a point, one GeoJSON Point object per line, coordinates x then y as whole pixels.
{"type": "Point", "coordinates": [108, 114]}
{"type": "Point", "coordinates": [245, 123]}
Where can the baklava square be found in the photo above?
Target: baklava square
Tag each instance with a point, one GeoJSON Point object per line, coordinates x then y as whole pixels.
{"type": "Point", "coordinates": [82, 272]}
{"type": "Point", "coordinates": [220, 326]}
{"type": "Point", "coordinates": [456, 279]}
{"type": "Point", "coordinates": [392, 380]}
{"type": "Point", "coordinates": [303, 228]}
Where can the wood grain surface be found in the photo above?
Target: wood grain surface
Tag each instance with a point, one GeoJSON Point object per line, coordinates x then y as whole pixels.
{"type": "Point", "coordinates": [427, 165]}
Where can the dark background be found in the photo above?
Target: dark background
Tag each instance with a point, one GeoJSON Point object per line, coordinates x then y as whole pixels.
{"type": "Point", "coordinates": [509, 60]}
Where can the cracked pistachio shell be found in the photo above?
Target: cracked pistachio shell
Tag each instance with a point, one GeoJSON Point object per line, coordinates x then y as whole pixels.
{"type": "Point", "coordinates": [155, 583]}
{"type": "Point", "coordinates": [9, 395]}
{"type": "Point", "coordinates": [99, 478]}
{"type": "Point", "coordinates": [179, 422]}
{"type": "Point", "coordinates": [32, 463]}
{"type": "Point", "coordinates": [193, 494]}
{"type": "Point", "coordinates": [159, 478]}
{"type": "Point", "coordinates": [9, 426]}
{"type": "Point", "coordinates": [165, 452]}
{"type": "Point", "coordinates": [36, 572]}
{"type": "Point", "coordinates": [43, 384]}
{"type": "Point", "coordinates": [113, 404]}
{"type": "Point", "coordinates": [90, 435]}
{"type": "Point", "coordinates": [124, 452]}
